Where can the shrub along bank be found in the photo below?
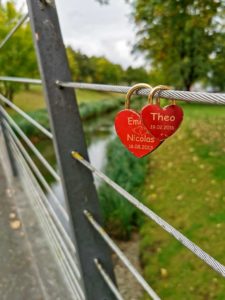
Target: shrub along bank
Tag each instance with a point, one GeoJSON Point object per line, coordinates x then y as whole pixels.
{"type": "Point", "coordinates": [120, 216]}
{"type": "Point", "coordinates": [87, 111]}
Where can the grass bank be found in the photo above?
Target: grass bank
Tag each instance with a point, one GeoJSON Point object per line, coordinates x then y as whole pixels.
{"type": "Point", "coordinates": [33, 99]}
{"type": "Point", "coordinates": [129, 172]}
{"type": "Point", "coordinates": [91, 105]}
{"type": "Point", "coordinates": [186, 186]}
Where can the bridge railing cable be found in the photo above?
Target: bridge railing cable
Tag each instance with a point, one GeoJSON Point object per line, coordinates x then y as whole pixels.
{"type": "Point", "coordinates": [26, 116]}
{"type": "Point", "coordinates": [45, 216]}
{"type": "Point", "coordinates": [36, 171]}
{"type": "Point", "coordinates": [123, 257]}
{"type": "Point", "coordinates": [209, 260]}
{"type": "Point", "coordinates": [21, 80]}
{"type": "Point", "coordinates": [14, 29]}
{"type": "Point", "coordinates": [64, 259]}
{"type": "Point", "coordinates": [108, 280]}
{"type": "Point", "coordinates": [211, 98]}
{"type": "Point", "coordinates": [193, 97]}
{"type": "Point", "coordinates": [31, 145]}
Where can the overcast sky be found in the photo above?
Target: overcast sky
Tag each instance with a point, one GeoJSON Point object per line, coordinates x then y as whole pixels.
{"type": "Point", "coordinates": [99, 29]}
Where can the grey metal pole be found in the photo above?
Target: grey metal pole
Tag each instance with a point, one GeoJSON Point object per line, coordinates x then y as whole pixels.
{"type": "Point", "coordinates": [11, 157]}
{"type": "Point", "coordinates": [79, 189]}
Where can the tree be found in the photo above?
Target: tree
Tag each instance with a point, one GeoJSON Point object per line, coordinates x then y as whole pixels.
{"type": "Point", "coordinates": [74, 67]}
{"type": "Point", "coordinates": [134, 75]}
{"type": "Point", "coordinates": [182, 39]}
{"type": "Point", "coordinates": [216, 77]}
{"type": "Point", "coordinates": [106, 71]}
{"type": "Point", "coordinates": [93, 69]}
{"type": "Point", "coordinates": [17, 57]}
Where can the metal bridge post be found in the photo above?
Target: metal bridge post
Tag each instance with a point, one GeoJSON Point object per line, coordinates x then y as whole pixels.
{"type": "Point", "coordinates": [11, 157]}
{"type": "Point", "coordinates": [77, 181]}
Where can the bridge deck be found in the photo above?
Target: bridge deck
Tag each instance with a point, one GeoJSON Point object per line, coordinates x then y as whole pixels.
{"type": "Point", "coordinates": [28, 269]}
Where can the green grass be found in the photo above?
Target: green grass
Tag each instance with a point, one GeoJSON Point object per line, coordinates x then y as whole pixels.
{"type": "Point", "coordinates": [119, 215]}
{"type": "Point", "coordinates": [186, 186]}
{"type": "Point", "coordinates": [88, 110]}
{"type": "Point", "coordinates": [33, 99]}
{"type": "Point", "coordinates": [91, 104]}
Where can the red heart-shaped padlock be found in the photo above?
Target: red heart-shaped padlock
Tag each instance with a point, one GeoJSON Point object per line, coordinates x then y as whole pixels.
{"type": "Point", "coordinates": [133, 133]}
{"type": "Point", "coordinates": [162, 122]}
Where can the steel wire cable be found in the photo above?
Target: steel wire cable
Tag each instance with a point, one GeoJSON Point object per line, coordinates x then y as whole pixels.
{"type": "Point", "coordinates": [61, 255]}
{"type": "Point", "coordinates": [53, 216]}
{"type": "Point", "coordinates": [14, 29]}
{"type": "Point", "coordinates": [44, 216]}
{"type": "Point", "coordinates": [122, 257]}
{"type": "Point", "coordinates": [21, 80]}
{"type": "Point", "coordinates": [212, 98]}
{"type": "Point", "coordinates": [108, 280]}
{"type": "Point", "coordinates": [32, 166]}
{"type": "Point", "coordinates": [56, 250]}
{"type": "Point", "coordinates": [37, 172]}
{"type": "Point", "coordinates": [193, 97]}
{"type": "Point", "coordinates": [209, 260]}
{"type": "Point", "coordinates": [31, 145]}
{"type": "Point", "coordinates": [26, 116]}
{"type": "Point", "coordinates": [51, 210]}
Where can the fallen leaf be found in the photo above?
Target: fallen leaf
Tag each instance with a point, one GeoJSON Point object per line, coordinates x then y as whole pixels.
{"type": "Point", "coordinates": [15, 224]}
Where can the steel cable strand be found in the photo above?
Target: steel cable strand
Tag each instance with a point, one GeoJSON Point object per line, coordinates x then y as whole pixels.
{"type": "Point", "coordinates": [193, 97]}
{"type": "Point", "coordinates": [122, 256]}
{"type": "Point", "coordinates": [14, 29]}
{"type": "Point", "coordinates": [212, 262]}
{"type": "Point", "coordinates": [47, 204]}
{"type": "Point", "coordinates": [108, 280]}
{"type": "Point", "coordinates": [31, 145]}
{"type": "Point", "coordinates": [57, 234]}
{"type": "Point", "coordinates": [44, 214]}
{"type": "Point", "coordinates": [26, 116]}
{"type": "Point", "coordinates": [37, 172]}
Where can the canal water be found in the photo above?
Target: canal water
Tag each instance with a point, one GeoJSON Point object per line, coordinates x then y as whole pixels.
{"type": "Point", "coordinates": [98, 133]}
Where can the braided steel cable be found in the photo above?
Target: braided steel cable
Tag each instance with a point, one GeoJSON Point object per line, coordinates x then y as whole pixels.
{"type": "Point", "coordinates": [192, 97]}
{"type": "Point", "coordinates": [26, 116]}
{"type": "Point", "coordinates": [36, 171]}
{"type": "Point", "coordinates": [209, 260]}
{"type": "Point", "coordinates": [31, 145]}
{"type": "Point", "coordinates": [21, 80]}
{"type": "Point", "coordinates": [122, 257]}
{"type": "Point", "coordinates": [52, 213]}
{"type": "Point", "coordinates": [211, 98]}
{"type": "Point", "coordinates": [15, 28]}
{"type": "Point", "coordinates": [71, 280]}
{"type": "Point", "coordinates": [63, 258]}
{"type": "Point", "coordinates": [108, 280]}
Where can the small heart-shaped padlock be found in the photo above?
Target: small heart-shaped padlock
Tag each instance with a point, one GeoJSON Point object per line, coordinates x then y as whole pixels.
{"type": "Point", "coordinates": [130, 129]}
{"type": "Point", "coordinates": [161, 122]}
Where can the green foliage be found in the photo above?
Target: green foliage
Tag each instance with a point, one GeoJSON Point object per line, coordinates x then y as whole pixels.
{"type": "Point", "coordinates": [134, 75]}
{"type": "Point", "coordinates": [91, 110]}
{"type": "Point", "coordinates": [184, 40]}
{"type": "Point", "coordinates": [106, 72]}
{"type": "Point", "coordinates": [93, 69]}
{"type": "Point", "coordinates": [129, 172]}
{"type": "Point", "coordinates": [87, 111]}
{"type": "Point", "coordinates": [216, 74]}
{"type": "Point", "coordinates": [74, 67]}
{"type": "Point", "coordinates": [30, 130]}
{"type": "Point", "coordinates": [17, 57]}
